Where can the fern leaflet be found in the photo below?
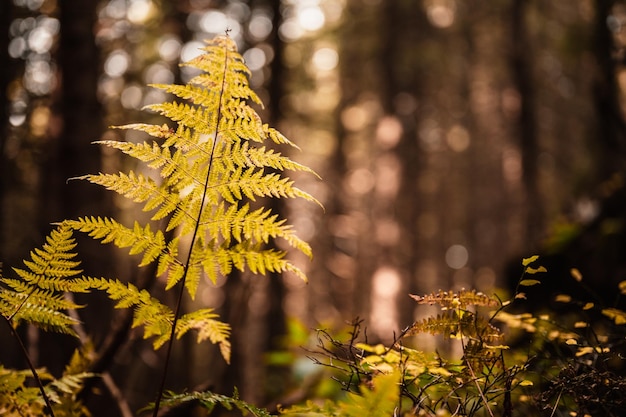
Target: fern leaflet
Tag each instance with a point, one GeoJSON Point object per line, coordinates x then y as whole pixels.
{"type": "Point", "coordinates": [37, 295]}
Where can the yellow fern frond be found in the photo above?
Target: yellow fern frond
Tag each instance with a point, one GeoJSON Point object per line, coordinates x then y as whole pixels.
{"type": "Point", "coordinates": [209, 160]}
{"type": "Point", "coordinates": [155, 317]}
{"type": "Point", "coordinates": [205, 322]}
{"type": "Point", "coordinates": [37, 295]}
{"type": "Point", "coordinates": [461, 299]}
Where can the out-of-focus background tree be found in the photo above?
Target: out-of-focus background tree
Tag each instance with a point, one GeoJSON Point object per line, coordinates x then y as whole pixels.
{"type": "Point", "coordinates": [453, 138]}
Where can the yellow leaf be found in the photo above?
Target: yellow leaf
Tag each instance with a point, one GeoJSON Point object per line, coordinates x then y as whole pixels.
{"type": "Point", "coordinates": [580, 325]}
{"type": "Point", "coordinates": [588, 306]}
{"type": "Point", "coordinates": [526, 383]}
{"type": "Point", "coordinates": [528, 261]}
{"type": "Point", "coordinates": [584, 351]}
{"type": "Point", "coordinates": [529, 282]}
{"type": "Point", "coordinates": [617, 315]}
{"type": "Point", "coordinates": [497, 347]}
{"type": "Point", "coordinates": [563, 298]}
{"type": "Point", "coordinates": [571, 342]}
{"type": "Point", "coordinates": [622, 287]}
{"type": "Point", "coordinates": [576, 274]}
{"type": "Point", "coordinates": [530, 270]}
{"type": "Point", "coordinates": [520, 295]}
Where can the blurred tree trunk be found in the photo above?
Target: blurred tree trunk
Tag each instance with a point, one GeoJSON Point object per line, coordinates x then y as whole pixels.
{"type": "Point", "coordinates": [77, 122]}
{"type": "Point", "coordinates": [610, 125]}
{"type": "Point", "coordinates": [401, 30]}
{"type": "Point", "coordinates": [6, 76]}
{"type": "Point", "coordinates": [522, 73]}
{"type": "Point", "coordinates": [9, 355]}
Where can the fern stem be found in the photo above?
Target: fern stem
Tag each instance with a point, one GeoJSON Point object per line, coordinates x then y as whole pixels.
{"type": "Point", "coordinates": [170, 343]}
{"type": "Point", "coordinates": [31, 366]}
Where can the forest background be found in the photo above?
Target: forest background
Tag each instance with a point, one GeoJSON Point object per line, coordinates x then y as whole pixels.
{"type": "Point", "coordinates": [452, 137]}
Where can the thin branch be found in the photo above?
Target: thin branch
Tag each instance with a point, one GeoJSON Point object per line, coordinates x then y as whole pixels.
{"type": "Point", "coordinates": [179, 303]}
{"type": "Point", "coordinates": [48, 408]}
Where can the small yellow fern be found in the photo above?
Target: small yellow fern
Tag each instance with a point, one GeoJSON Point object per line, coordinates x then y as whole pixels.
{"type": "Point", "coordinates": [37, 295]}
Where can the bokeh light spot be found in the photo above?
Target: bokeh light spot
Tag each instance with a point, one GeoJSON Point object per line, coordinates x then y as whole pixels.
{"type": "Point", "coordinates": [117, 63]}
{"type": "Point", "coordinates": [457, 256]}
{"type": "Point", "coordinates": [458, 138]}
{"type": "Point", "coordinates": [325, 59]}
{"type": "Point", "coordinates": [260, 26]}
{"type": "Point", "coordinates": [255, 58]}
{"type": "Point", "coordinates": [311, 18]}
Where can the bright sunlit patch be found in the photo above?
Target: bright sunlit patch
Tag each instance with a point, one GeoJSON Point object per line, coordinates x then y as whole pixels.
{"type": "Point", "coordinates": [131, 97]}
{"type": "Point", "coordinates": [255, 58]}
{"type": "Point", "coordinates": [117, 63]}
{"type": "Point", "coordinates": [40, 40]}
{"type": "Point", "coordinates": [216, 22]}
{"type": "Point", "coordinates": [39, 120]}
{"type": "Point", "coordinates": [169, 48]}
{"type": "Point", "coordinates": [191, 50]}
{"type": "Point", "coordinates": [140, 11]}
{"type": "Point", "coordinates": [290, 30]}
{"type": "Point", "coordinates": [31, 4]}
{"type": "Point", "coordinates": [213, 21]}
{"type": "Point", "coordinates": [17, 47]}
{"type": "Point", "coordinates": [325, 59]}
{"type": "Point", "coordinates": [260, 26]}
{"type": "Point", "coordinates": [457, 256]}
{"type": "Point", "coordinates": [159, 73]}
{"type": "Point", "coordinates": [388, 132]}
{"type": "Point", "coordinates": [17, 119]}
{"type": "Point", "coordinates": [361, 181]}
{"type": "Point", "coordinates": [441, 13]}
{"type": "Point", "coordinates": [115, 9]}
{"type": "Point", "coordinates": [354, 118]}
{"type": "Point", "coordinates": [311, 18]}
{"type": "Point", "coordinates": [458, 138]}
{"type": "Point", "coordinates": [386, 284]}
{"type": "Point", "coordinates": [38, 77]}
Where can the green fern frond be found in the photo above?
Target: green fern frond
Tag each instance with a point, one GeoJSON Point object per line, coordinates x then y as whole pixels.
{"type": "Point", "coordinates": [380, 397]}
{"type": "Point", "coordinates": [37, 295]}
{"type": "Point", "coordinates": [209, 400]}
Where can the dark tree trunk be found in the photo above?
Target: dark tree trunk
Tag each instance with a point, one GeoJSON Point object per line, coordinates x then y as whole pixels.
{"type": "Point", "coordinates": [611, 126]}
{"type": "Point", "coordinates": [527, 123]}
{"type": "Point", "coordinates": [69, 153]}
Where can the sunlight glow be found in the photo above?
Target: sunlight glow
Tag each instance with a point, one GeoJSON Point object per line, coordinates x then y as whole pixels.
{"type": "Point", "coordinates": [140, 11]}
{"type": "Point", "coordinates": [117, 63]}
{"type": "Point", "coordinates": [260, 26]}
{"type": "Point", "coordinates": [311, 18]}
{"type": "Point", "coordinates": [191, 50]}
{"type": "Point", "coordinates": [388, 132]}
{"type": "Point", "coordinates": [386, 284]}
{"type": "Point", "coordinates": [255, 58]}
{"type": "Point", "coordinates": [325, 59]}
{"type": "Point", "coordinates": [458, 138]}
{"type": "Point", "coordinates": [169, 48]}
{"type": "Point", "coordinates": [441, 13]}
